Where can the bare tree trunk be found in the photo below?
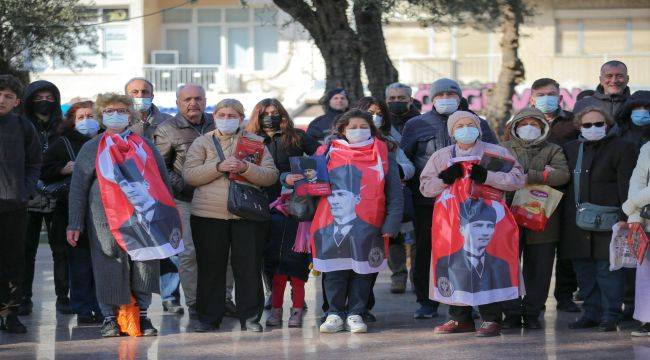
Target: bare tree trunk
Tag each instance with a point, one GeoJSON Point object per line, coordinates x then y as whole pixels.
{"type": "Point", "coordinates": [379, 67]}
{"type": "Point", "coordinates": [329, 27]}
{"type": "Point", "coordinates": [499, 107]}
{"type": "Point", "coordinates": [22, 75]}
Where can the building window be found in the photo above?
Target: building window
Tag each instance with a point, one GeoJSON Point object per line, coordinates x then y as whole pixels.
{"type": "Point", "coordinates": [598, 36]}
{"type": "Point", "coordinates": [238, 38]}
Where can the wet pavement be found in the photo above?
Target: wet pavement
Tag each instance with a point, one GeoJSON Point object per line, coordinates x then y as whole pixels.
{"type": "Point", "coordinates": [395, 335]}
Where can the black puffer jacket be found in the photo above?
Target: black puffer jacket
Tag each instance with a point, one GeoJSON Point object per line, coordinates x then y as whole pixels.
{"type": "Point", "coordinates": [399, 121]}
{"type": "Point", "coordinates": [606, 169]}
{"type": "Point", "coordinates": [637, 135]}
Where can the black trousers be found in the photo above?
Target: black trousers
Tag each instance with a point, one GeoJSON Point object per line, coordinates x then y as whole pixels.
{"type": "Point", "coordinates": [566, 282]}
{"type": "Point", "coordinates": [55, 223]}
{"type": "Point", "coordinates": [422, 263]}
{"type": "Point", "coordinates": [489, 312]}
{"type": "Point", "coordinates": [537, 272]}
{"type": "Point", "coordinates": [244, 240]}
{"type": "Point", "coordinates": [630, 284]}
{"type": "Point", "coordinates": [348, 292]}
{"type": "Point", "coordinates": [12, 255]}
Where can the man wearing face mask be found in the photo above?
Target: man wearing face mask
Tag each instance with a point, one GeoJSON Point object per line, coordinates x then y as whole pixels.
{"type": "Point", "coordinates": [634, 123]}
{"type": "Point", "coordinates": [335, 102]}
{"type": "Point", "coordinates": [141, 91]}
{"type": "Point", "coordinates": [400, 104]}
{"type": "Point", "coordinates": [422, 136]}
{"type": "Point", "coordinates": [612, 91]}
{"type": "Point", "coordinates": [42, 106]}
{"type": "Point", "coordinates": [173, 138]}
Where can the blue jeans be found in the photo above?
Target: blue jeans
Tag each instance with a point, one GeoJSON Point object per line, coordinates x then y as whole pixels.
{"type": "Point", "coordinates": [170, 281]}
{"type": "Point", "coordinates": [603, 289]}
{"type": "Point", "coordinates": [347, 292]}
{"type": "Point", "coordinates": [143, 300]}
{"type": "Point", "coordinates": [83, 300]}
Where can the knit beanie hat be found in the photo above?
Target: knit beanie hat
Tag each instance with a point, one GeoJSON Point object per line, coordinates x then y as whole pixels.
{"type": "Point", "coordinates": [445, 85]}
{"type": "Point", "coordinates": [457, 116]}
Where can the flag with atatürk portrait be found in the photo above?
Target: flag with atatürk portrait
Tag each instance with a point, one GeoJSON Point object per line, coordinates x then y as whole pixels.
{"type": "Point", "coordinates": [140, 209]}
{"type": "Point", "coordinates": [474, 247]}
{"type": "Point", "coordinates": [345, 231]}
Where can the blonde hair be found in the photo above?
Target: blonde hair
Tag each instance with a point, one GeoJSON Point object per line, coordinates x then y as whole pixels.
{"type": "Point", "coordinates": [230, 103]}
{"type": "Point", "coordinates": [105, 99]}
{"type": "Point", "coordinates": [609, 120]}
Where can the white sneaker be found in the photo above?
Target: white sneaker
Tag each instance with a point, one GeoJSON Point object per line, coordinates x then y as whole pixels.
{"type": "Point", "coordinates": [332, 324]}
{"type": "Point", "coordinates": [355, 324]}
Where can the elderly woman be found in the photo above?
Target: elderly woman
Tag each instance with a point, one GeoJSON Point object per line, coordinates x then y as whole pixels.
{"type": "Point", "coordinates": [216, 231]}
{"type": "Point", "coordinates": [465, 128]}
{"type": "Point", "coordinates": [58, 162]}
{"type": "Point", "coordinates": [117, 275]}
{"type": "Point", "coordinates": [604, 171]}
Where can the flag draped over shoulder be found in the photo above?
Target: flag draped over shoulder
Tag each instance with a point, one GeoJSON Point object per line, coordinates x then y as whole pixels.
{"type": "Point", "coordinates": [475, 247]}
{"type": "Point", "coordinates": [140, 210]}
{"type": "Point", "coordinates": [345, 232]}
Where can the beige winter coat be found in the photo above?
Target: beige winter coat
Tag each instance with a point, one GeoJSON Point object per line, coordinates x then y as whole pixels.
{"type": "Point", "coordinates": [211, 186]}
{"type": "Point", "coordinates": [638, 194]}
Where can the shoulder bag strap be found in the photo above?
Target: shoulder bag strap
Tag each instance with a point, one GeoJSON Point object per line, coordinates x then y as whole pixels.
{"type": "Point", "coordinates": [576, 173]}
{"type": "Point", "coordinates": [217, 145]}
{"type": "Point", "coordinates": [68, 148]}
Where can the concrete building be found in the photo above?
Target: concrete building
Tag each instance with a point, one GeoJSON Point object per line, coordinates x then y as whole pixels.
{"type": "Point", "coordinates": [256, 52]}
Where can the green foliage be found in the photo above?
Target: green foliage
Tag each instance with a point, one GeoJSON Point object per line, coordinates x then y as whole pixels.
{"type": "Point", "coordinates": [32, 30]}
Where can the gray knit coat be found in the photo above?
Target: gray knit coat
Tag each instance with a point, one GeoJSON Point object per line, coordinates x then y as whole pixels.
{"type": "Point", "coordinates": [116, 275]}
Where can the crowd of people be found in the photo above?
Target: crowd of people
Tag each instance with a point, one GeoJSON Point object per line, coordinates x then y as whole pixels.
{"type": "Point", "coordinates": [136, 201]}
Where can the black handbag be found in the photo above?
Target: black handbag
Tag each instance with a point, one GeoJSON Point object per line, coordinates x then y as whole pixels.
{"type": "Point", "coordinates": [245, 201]}
{"type": "Point", "coordinates": [302, 208]}
{"type": "Point", "coordinates": [59, 190]}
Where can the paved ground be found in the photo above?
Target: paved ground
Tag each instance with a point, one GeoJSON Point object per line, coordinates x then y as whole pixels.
{"type": "Point", "coordinates": [396, 335]}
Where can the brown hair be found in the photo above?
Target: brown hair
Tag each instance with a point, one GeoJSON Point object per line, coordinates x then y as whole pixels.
{"type": "Point", "coordinates": [68, 122]}
{"type": "Point", "coordinates": [344, 120]}
{"type": "Point", "coordinates": [609, 120]}
{"type": "Point", "coordinates": [289, 137]}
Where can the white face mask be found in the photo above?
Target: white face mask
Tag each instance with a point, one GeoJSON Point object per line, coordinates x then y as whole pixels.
{"type": "Point", "coordinates": [378, 120]}
{"type": "Point", "coordinates": [529, 132]}
{"type": "Point", "coordinates": [594, 133]}
{"type": "Point", "coordinates": [88, 127]}
{"type": "Point", "coordinates": [115, 121]}
{"type": "Point", "coordinates": [227, 126]}
{"type": "Point", "coordinates": [445, 106]}
{"type": "Point", "coordinates": [357, 135]}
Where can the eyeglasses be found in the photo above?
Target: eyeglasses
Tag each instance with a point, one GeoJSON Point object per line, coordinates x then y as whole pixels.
{"type": "Point", "coordinates": [112, 111]}
{"type": "Point", "coordinates": [596, 124]}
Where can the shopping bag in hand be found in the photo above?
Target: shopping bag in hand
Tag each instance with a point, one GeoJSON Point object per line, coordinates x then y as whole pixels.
{"type": "Point", "coordinates": [533, 205]}
{"type": "Point", "coordinates": [128, 318]}
{"type": "Point", "coordinates": [620, 255]}
{"type": "Point", "coordinates": [637, 241]}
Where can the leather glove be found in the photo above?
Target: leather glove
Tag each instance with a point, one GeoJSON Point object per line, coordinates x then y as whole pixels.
{"type": "Point", "coordinates": [450, 174]}
{"type": "Point", "coordinates": [478, 174]}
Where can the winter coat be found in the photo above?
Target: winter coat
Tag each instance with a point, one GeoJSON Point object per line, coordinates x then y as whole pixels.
{"type": "Point", "coordinates": [399, 121]}
{"type": "Point", "coordinates": [281, 155]}
{"type": "Point", "coordinates": [173, 138]}
{"type": "Point", "coordinates": [210, 199]}
{"type": "Point", "coordinates": [20, 161]}
{"type": "Point", "coordinates": [612, 103]}
{"type": "Point", "coordinates": [604, 180]}
{"type": "Point", "coordinates": [562, 128]}
{"type": "Point", "coordinates": [321, 126]}
{"type": "Point", "coordinates": [534, 156]}
{"type": "Point", "coordinates": [424, 135]}
{"type": "Point", "coordinates": [637, 135]}
{"type": "Point", "coordinates": [116, 275]}
{"type": "Point", "coordinates": [279, 257]}
{"type": "Point", "coordinates": [638, 194]}
{"type": "Point", "coordinates": [431, 186]}
{"type": "Point", "coordinates": [147, 127]}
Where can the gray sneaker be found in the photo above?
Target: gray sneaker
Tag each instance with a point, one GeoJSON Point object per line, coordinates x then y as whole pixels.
{"type": "Point", "coordinates": [275, 319]}
{"type": "Point", "coordinates": [295, 320]}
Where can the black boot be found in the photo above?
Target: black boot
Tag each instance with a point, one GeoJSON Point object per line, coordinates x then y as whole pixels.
{"type": "Point", "coordinates": [172, 306]}
{"type": "Point", "coordinates": [63, 306]}
{"type": "Point", "coordinates": [252, 325]}
{"type": "Point", "coordinates": [146, 327]}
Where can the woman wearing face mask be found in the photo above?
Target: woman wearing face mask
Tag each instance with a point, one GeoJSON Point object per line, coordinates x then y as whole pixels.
{"type": "Point", "coordinates": [544, 164]}
{"type": "Point", "coordinates": [349, 226]}
{"type": "Point", "coordinates": [243, 239]}
{"type": "Point", "coordinates": [281, 264]}
{"type": "Point", "coordinates": [634, 123]}
{"type": "Point", "coordinates": [58, 163]}
{"type": "Point", "coordinates": [604, 176]}
{"type": "Point", "coordinates": [117, 276]}
{"type": "Point", "coordinates": [437, 175]}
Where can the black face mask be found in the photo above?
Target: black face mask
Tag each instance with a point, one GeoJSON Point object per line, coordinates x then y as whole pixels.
{"type": "Point", "coordinates": [44, 107]}
{"type": "Point", "coordinates": [271, 122]}
{"type": "Point", "coordinates": [399, 107]}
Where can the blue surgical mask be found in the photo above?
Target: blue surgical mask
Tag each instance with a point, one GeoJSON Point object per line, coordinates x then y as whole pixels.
{"type": "Point", "coordinates": [547, 104]}
{"type": "Point", "coordinates": [142, 104]}
{"type": "Point", "coordinates": [378, 120]}
{"type": "Point", "coordinates": [115, 121]}
{"type": "Point", "coordinates": [466, 135]}
{"type": "Point", "coordinates": [640, 117]}
{"type": "Point", "coordinates": [88, 127]}
{"type": "Point", "coordinates": [445, 106]}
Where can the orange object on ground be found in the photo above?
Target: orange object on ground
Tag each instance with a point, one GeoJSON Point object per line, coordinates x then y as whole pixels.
{"type": "Point", "coordinates": [128, 318]}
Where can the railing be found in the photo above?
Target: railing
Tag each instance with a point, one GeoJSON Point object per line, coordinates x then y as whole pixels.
{"type": "Point", "coordinates": [167, 78]}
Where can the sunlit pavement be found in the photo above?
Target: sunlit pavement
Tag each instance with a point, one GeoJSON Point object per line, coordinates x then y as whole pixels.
{"type": "Point", "coordinates": [396, 335]}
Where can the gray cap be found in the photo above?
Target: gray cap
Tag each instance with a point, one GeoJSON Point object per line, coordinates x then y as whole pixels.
{"type": "Point", "coordinates": [445, 85]}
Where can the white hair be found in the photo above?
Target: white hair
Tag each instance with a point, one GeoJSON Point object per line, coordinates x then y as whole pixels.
{"type": "Point", "coordinates": [183, 86]}
{"type": "Point", "coordinates": [398, 86]}
{"type": "Point", "coordinates": [137, 78]}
